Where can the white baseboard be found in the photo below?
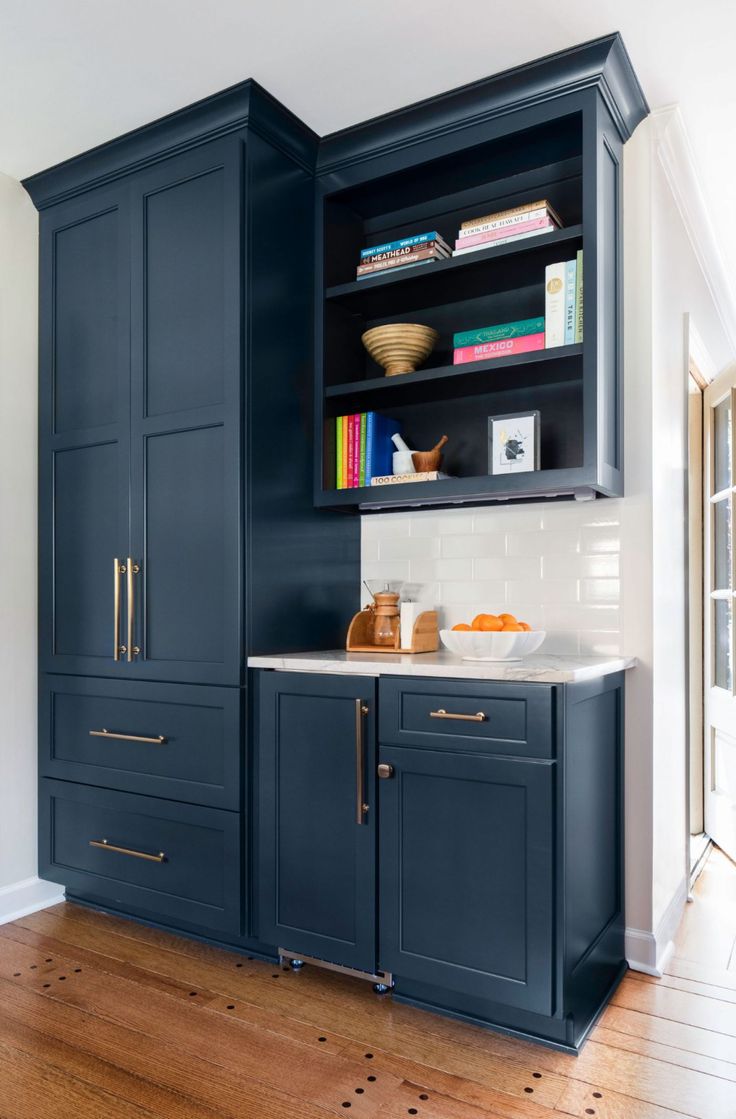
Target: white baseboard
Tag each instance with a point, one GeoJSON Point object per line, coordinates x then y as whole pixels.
{"type": "Point", "coordinates": [28, 896]}
{"type": "Point", "coordinates": [650, 951]}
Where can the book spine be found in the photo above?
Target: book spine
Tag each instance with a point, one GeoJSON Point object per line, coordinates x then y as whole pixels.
{"type": "Point", "coordinates": [541, 203]}
{"type": "Point", "coordinates": [496, 333]}
{"type": "Point", "coordinates": [503, 348]}
{"type": "Point", "coordinates": [503, 231]}
{"type": "Point", "coordinates": [344, 452]}
{"type": "Point", "coordinates": [503, 223]}
{"type": "Point", "coordinates": [554, 304]}
{"type": "Point", "coordinates": [402, 243]}
{"type": "Point", "coordinates": [570, 286]}
{"type": "Point", "coordinates": [505, 240]}
{"type": "Point", "coordinates": [356, 452]}
{"type": "Point", "coordinates": [404, 258]}
{"type": "Point", "coordinates": [370, 436]}
{"type": "Point", "coordinates": [400, 479]}
{"type": "Point", "coordinates": [399, 268]}
{"type": "Point", "coordinates": [351, 452]}
{"type": "Point", "coordinates": [579, 298]}
{"type": "Point", "coordinates": [338, 453]}
{"type": "Point", "coordinates": [361, 479]}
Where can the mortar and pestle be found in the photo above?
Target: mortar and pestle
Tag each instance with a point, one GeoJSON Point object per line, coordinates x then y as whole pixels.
{"type": "Point", "coordinates": [429, 460]}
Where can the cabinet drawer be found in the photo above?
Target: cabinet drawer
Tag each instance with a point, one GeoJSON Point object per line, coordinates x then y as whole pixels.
{"type": "Point", "coordinates": [489, 718]}
{"type": "Point", "coordinates": [170, 740]}
{"type": "Point", "coordinates": [172, 862]}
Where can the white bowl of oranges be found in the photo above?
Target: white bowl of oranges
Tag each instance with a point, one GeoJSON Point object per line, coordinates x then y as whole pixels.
{"type": "Point", "coordinates": [492, 637]}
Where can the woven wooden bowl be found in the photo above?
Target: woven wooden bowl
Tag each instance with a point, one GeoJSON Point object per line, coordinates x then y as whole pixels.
{"type": "Point", "coordinates": [400, 347]}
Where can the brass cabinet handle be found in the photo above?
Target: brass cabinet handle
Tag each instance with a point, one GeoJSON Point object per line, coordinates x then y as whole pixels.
{"type": "Point", "coordinates": [104, 733]}
{"type": "Point", "coordinates": [105, 846]}
{"type": "Point", "coordinates": [385, 771]}
{"type": "Point", "coordinates": [133, 569]}
{"type": "Point", "coordinates": [118, 570]}
{"type": "Point", "coordinates": [361, 807]}
{"type": "Point", "coordinates": [481, 716]}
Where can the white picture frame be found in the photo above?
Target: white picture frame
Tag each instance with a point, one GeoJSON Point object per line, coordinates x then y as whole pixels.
{"type": "Point", "coordinates": [513, 443]}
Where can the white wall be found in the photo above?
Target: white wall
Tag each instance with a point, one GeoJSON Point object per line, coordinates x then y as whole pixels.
{"type": "Point", "coordinates": [20, 889]}
{"type": "Point", "coordinates": [609, 576]}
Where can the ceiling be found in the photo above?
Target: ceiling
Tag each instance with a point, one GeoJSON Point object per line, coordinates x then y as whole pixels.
{"type": "Point", "coordinates": [74, 73]}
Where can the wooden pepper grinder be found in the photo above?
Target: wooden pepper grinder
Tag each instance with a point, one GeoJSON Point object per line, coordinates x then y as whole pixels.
{"type": "Point", "coordinates": [387, 619]}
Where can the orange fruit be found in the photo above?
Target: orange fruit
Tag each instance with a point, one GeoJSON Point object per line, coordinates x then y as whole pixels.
{"type": "Point", "coordinates": [478, 621]}
{"type": "Point", "coordinates": [512, 627]}
{"type": "Point", "coordinates": [491, 623]}
{"type": "Point", "coordinates": [462, 626]}
{"type": "Point", "coordinates": [508, 619]}
{"type": "Point", "coordinates": [525, 626]}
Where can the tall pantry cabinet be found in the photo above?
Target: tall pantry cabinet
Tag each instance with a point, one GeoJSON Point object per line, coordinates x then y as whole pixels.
{"type": "Point", "coordinates": [177, 532]}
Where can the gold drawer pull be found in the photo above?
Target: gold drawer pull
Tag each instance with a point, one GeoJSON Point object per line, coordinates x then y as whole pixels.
{"type": "Point", "coordinates": [442, 714]}
{"type": "Point", "coordinates": [157, 741]}
{"type": "Point", "coordinates": [105, 846]}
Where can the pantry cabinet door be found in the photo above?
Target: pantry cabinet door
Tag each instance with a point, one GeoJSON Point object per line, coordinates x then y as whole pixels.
{"type": "Point", "coordinates": [84, 428]}
{"type": "Point", "coordinates": [185, 400]}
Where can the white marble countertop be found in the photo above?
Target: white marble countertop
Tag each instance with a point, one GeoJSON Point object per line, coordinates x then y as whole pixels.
{"type": "Point", "coordinates": [537, 669]}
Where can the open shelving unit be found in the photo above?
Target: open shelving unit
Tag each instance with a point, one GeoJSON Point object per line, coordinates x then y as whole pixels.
{"type": "Point", "coordinates": [475, 151]}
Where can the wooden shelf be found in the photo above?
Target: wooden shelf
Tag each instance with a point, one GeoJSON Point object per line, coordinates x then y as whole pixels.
{"type": "Point", "coordinates": [453, 373]}
{"type": "Point", "coordinates": [360, 291]}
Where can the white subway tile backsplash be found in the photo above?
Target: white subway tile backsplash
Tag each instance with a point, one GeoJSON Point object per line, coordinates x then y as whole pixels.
{"type": "Point", "coordinates": [471, 546]}
{"type": "Point", "coordinates": [556, 566]}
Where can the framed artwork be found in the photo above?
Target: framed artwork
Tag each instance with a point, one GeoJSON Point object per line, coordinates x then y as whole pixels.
{"type": "Point", "coordinates": [513, 443]}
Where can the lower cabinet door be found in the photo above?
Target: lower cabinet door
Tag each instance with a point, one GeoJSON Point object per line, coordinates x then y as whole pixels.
{"type": "Point", "coordinates": [317, 845]}
{"type": "Point", "coordinates": [466, 889]}
{"type": "Point", "coordinates": [178, 863]}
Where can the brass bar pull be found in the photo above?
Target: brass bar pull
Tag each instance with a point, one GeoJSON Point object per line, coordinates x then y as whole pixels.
{"type": "Point", "coordinates": [118, 570]}
{"type": "Point", "coordinates": [133, 569]}
{"type": "Point", "coordinates": [105, 846]}
{"type": "Point", "coordinates": [104, 733]}
{"type": "Point", "coordinates": [480, 717]}
{"type": "Point", "coordinates": [361, 807]}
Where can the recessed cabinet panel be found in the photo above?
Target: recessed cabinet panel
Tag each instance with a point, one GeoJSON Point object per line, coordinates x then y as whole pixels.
{"type": "Point", "coordinates": [466, 866]}
{"type": "Point", "coordinates": [184, 564]}
{"type": "Point", "coordinates": [184, 285]}
{"type": "Point", "coordinates": [86, 322]}
{"type": "Point", "coordinates": [317, 860]}
{"type": "Point", "coordinates": [87, 537]}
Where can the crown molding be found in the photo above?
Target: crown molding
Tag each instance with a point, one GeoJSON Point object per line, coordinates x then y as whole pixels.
{"type": "Point", "coordinates": [675, 155]}
{"type": "Point", "coordinates": [247, 104]}
{"type": "Point", "coordinates": [601, 64]}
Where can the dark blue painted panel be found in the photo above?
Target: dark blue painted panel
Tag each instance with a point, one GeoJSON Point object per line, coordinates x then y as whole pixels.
{"type": "Point", "coordinates": [316, 864]}
{"type": "Point", "coordinates": [466, 874]}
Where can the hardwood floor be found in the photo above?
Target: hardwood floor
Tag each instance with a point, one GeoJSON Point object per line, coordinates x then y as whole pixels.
{"type": "Point", "coordinates": [102, 1017]}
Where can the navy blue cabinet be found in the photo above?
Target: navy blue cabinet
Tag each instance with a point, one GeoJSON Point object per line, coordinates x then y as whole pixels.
{"type": "Point", "coordinates": [317, 809]}
{"type": "Point", "coordinates": [466, 872]}
{"type": "Point", "coordinates": [177, 527]}
{"type": "Point", "coordinates": [497, 878]}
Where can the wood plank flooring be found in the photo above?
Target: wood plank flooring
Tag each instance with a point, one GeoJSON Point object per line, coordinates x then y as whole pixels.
{"type": "Point", "coordinates": [102, 1017]}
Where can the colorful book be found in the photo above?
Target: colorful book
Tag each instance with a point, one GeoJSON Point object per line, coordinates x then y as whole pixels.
{"type": "Point", "coordinates": [397, 261]}
{"type": "Point", "coordinates": [408, 250]}
{"type": "Point", "coordinates": [350, 454]}
{"type": "Point", "coordinates": [355, 476]}
{"type": "Point", "coordinates": [504, 347]}
{"type": "Point", "coordinates": [504, 231]}
{"type": "Point", "coordinates": [579, 298]}
{"type": "Point", "coordinates": [403, 242]}
{"type": "Point", "coordinates": [570, 289]}
{"type": "Point", "coordinates": [379, 448]}
{"type": "Point", "coordinates": [506, 240]}
{"type": "Point", "coordinates": [540, 204]}
{"type": "Point", "coordinates": [502, 330]}
{"type": "Point", "coordinates": [509, 223]}
{"type": "Point", "coordinates": [361, 469]}
{"type": "Point", "coordinates": [400, 268]}
{"type": "Point", "coordinates": [554, 304]}
{"type": "Point", "coordinates": [339, 482]}
{"type": "Point", "coordinates": [399, 479]}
